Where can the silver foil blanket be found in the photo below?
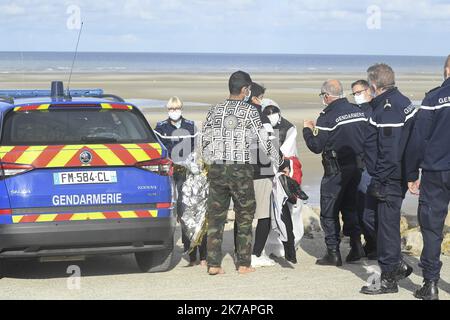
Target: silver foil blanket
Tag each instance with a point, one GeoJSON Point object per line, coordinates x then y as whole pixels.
{"type": "Point", "coordinates": [195, 195]}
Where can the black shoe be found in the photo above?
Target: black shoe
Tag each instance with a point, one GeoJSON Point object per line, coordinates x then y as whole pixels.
{"type": "Point", "coordinates": [357, 252]}
{"type": "Point", "coordinates": [429, 291]}
{"type": "Point", "coordinates": [404, 270]}
{"type": "Point", "coordinates": [388, 285]}
{"type": "Point", "coordinates": [332, 258]}
{"type": "Point", "coordinates": [292, 260]}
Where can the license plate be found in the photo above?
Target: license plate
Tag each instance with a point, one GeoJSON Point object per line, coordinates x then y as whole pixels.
{"type": "Point", "coordinates": [85, 177]}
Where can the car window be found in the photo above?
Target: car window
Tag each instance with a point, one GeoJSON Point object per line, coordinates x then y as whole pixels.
{"type": "Point", "coordinates": [75, 126]}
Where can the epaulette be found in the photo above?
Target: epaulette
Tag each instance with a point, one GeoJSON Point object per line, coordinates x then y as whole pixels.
{"type": "Point", "coordinates": [432, 90]}
{"type": "Point", "coordinates": [189, 121]}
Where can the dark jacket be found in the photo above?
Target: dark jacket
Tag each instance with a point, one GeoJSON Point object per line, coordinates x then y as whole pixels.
{"type": "Point", "coordinates": [429, 146]}
{"type": "Point", "coordinates": [172, 136]}
{"type": "Point", "coordinates": [340, 128]}
{"type": "Point", "coordinates": [389, 130]}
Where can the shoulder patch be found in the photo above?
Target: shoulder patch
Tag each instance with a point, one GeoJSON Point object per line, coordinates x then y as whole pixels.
{"type": "Point", "coordinates": [387, 106]}
{"type": "Point", "coordinates": [316, 132]}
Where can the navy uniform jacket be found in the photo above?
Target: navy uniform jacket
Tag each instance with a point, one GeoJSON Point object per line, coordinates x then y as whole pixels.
{"type": "Point", "coordinates": [340, 128]}
{"type": "Point", "coordinates": [429, 146]}
{"type": "Point", "coordinates": [171, 136]}
{"type": "Point", "coordinates": [367, 109]}
{"type": "Point", "coordinates": [388, 133]}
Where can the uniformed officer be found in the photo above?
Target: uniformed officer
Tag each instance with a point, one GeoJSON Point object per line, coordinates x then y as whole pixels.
{"type": "Point", "coordinates": [177, 133]}
{"type": "Point", "coordinates": [390, 126]}
{"type": "Point", "coordinates": [366, 204]}
{"type": "Point", "coordinates": [338, 135]}
{"type": "Point", "coordinates": [429, 150]}
{"type": "Point", "coordinates": [178, 136]}
{"type": "Point", "coordinates": [363, 96]}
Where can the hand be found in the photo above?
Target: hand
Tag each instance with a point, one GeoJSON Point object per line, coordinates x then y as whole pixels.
{"type": "Point", "coordinates": [285, 168]}
{"type": "Point", "coordinates": [375, 189]}
{"type": "Point", "coordinates": [309, 124]}
{"type": "Point", "coordinates": [414, 187]}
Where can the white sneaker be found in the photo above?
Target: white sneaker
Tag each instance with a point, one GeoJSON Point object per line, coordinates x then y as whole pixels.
{"type": "Point", "coordinates": [263, 261]}
{"type": "Point", "coordinates": [270, 261]}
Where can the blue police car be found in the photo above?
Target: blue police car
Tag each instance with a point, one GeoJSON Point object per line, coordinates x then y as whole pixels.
{"type": "Point", "coordinates": [82, 173]}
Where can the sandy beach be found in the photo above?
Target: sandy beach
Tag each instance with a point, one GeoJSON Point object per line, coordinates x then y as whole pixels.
{"type": "Point", "coordinates": [110, 277]}
{"type": "Point", "coordinates": [296, 93]}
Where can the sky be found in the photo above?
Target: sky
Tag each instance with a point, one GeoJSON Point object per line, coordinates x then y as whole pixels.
{"type": "Point", "coordinates": [374, 27]}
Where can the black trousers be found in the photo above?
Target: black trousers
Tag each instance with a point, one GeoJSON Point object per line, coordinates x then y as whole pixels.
{"type": "Point", "coordinates": [289, 245]}
{"type": "Point", "coordinates": [368, 218]}
{"type": "Point", "coordinates": [338, 194]}
{"type": "Point", "coordinates": [201, 249]}
{"type": "Point", "coordinates": [433, 208]}
{"type": "Point", "coordinates": [388, 233]}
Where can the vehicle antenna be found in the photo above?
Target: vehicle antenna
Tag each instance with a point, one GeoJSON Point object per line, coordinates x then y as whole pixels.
{"type": "Point", "coordinates": [74, 59]}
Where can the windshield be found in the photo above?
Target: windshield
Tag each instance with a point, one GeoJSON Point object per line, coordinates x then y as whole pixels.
{"type": "Point", "coordinates": [75, 126]}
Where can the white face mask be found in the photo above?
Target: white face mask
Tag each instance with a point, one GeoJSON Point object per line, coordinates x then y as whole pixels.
{"type": "Point", "coordinates": [360, 99]}
{"type": "Point", "coordinates": [175, 115]}
{"type": "Point", "coordinates": [274, 119]}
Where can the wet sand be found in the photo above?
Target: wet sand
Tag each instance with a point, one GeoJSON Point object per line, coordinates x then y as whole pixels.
{"type": "Point", "coordinates": [297, 95]}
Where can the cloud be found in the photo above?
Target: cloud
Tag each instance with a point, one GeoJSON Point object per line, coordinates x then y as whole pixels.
{"type": "Point", "coordinates": [128, 38]}
{"type": "Point", "coordinates": [217, 25]}
{"type": "Point", "coordinates": [11, 9]}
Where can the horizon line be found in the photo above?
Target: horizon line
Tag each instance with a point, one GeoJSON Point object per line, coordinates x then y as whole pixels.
{"type": "Point", "coordinates": [230, 53]}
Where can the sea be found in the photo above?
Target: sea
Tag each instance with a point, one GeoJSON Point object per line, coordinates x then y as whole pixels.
{"type": "Point", "coordinates": [107, 62]}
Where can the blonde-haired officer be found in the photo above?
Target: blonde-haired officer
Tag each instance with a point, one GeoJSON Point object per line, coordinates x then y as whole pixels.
{"type": "Point", "coordinates": [178, 136]}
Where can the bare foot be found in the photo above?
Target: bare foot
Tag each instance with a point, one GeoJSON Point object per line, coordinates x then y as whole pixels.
{"type": "Point", "coordinates": [245, 270]}
{"type": "Point", "coordinates": [215, 271]}
{"type": "Point", "coordinates": [203, 263]}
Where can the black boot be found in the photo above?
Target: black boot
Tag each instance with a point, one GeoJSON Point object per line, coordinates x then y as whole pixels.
{"type": "Point", "coordinates": [429, 291]}
{"type": "Point", "coordinates": [403, 271]}
{"type": "Point", "coordinates": [387, 285]}
{"type": "Point", "coordinates": [356, 252]}
{"type": "Point", "coordinates": [332, 258]}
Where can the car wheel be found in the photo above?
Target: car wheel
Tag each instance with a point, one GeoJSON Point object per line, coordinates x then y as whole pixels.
{"type": "Point", "coordinates": [155, 261]}
{"type": "Point", "coordinates": [2, 269]}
